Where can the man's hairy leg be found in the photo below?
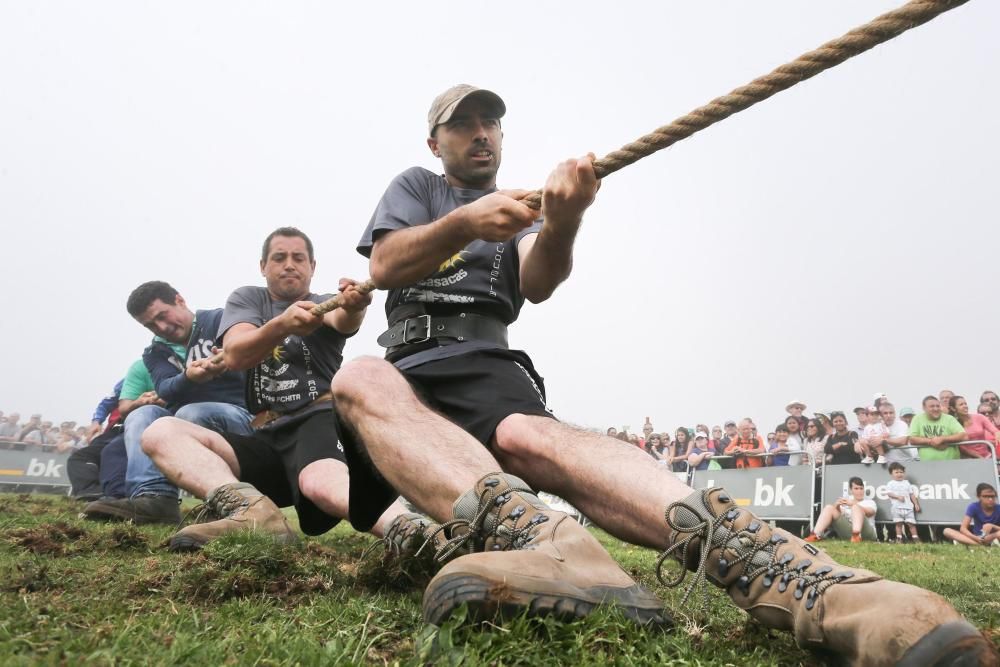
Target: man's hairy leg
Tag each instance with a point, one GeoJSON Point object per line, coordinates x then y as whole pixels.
{"type": "Point", "coordinates": [325, 482]}
{"type": "Point", "coordinates": [616, 485]}
{"type": "Point", "coordinates": [192, 457]}
{"type": "Point", "coordinates": [423, 455]}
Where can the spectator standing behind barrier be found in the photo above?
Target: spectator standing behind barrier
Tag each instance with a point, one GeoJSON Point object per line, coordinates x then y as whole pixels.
{"type": "Point", "coordinates": [937, 430]}
{"type": "Point", "coordinates": [990, 396]}
{"type": "Point", "coordinates": [842, 445]}
{"type": "Point", "coordinates": [944, 397]}
{"type": "Point", "coordinates": [906, 415]}
{"type": "Point", "coordinates": [701, 453]}
{"type": "Point", "coordinates": [896, 442]}
{"type": "Point", "coordinates": [728, 438]}
{"type": "Point", "coordinates": [873, 437]}
{"type": "Point", "coordinates": [39, 436]}
{"type": "Point", "coordinates": [656, 448]}
{"type": "Point", "coordinates": [780, 448]}
{"type": "Point", "coordinates": [679, 451]}
{"type": "Point", "coordinates": [905, 503]}
{"type": "Point", "coordinates": [715, 442]}
{"type": "Point", "coordinates": [795, 409]}
{"type": "Point", "coordinates": [976, 426]}
{"type": "Point", "coordinates": [747, 443]}
{"type": "Point", "coordinates": [981, 523]}
{"type": "Point", "coordinates": [9, 429]}
{"type": "Point", "coordinates": [861, 414]}
{"type": "Point", "coordinates": [852, 514]}
{"type": "Point", "coordinates": [795, 442]}
{"type": "Point", "coordinates": [815, 441]}
{"type": "Point", "coordinates": [33, 424]}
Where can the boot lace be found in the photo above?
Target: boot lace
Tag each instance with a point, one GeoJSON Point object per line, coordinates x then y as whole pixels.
{"type": "Point", "coordinates": [399, 533]}
{"type": "Point", "coordinates": [746, 544]}
{"type": "Point", "coordinates": [505, 531]}
{"type": "Point", "coordinates": [226, 502]}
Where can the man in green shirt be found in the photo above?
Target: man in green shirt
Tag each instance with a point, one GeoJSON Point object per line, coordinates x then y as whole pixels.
{"type": "Point", "coordinates": [937, 430]}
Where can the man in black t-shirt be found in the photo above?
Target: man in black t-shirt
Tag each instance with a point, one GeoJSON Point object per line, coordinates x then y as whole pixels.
{"type": "Point", "coordinates": [294, 456]}
{"type": "Point", "coordinates": [456, 407]}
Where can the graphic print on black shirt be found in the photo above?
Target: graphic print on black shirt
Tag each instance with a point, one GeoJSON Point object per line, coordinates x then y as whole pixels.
{"type": "Point", "coordinates": [298, 370]}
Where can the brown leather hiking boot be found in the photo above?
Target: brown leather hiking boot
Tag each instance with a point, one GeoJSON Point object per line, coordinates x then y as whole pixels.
{"type": "Point", "coordinates": [529, 559]}
{"type": "Point", "coordinates": [139, 510]}
{"type": "Point", "coordinates": [408, 551]}
{"type": "Point", "coordinates": [241, 508]}
{"type": "Point", "coordinates": [788, 584]}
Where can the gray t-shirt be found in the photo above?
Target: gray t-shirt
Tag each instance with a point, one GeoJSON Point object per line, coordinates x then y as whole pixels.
{"type": "Point", "coordinates": [296, 372]}
{"type": "Point", "coordinates": [482, 278]}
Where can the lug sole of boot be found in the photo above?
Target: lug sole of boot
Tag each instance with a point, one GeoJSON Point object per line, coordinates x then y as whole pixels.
{"type": "Point", "coordinates": [108, 514]}
{"type": "Point", "coordinates": [488, 600]}
{"type": "Point", "coordinates": [186, 543]}
{"type": "Point", "coordinates": [957, 644]}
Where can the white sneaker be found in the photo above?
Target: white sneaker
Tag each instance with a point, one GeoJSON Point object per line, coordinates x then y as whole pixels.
{"type": "Point", "coordinates": [867, 460]}
{"type": "Point", "coordinates": [880, 460]}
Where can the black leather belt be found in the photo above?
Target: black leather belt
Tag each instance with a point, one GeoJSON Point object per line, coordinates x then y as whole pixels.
{"type": "Point", "coordinates": [461, 327]}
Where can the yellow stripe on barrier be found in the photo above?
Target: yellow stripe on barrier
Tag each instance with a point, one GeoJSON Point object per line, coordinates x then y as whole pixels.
{"type": "Point", "coordinates": [11, 472]}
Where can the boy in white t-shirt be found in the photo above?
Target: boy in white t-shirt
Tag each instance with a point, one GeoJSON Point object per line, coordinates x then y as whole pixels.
{"type": "Point", "coordinates": [904, 501]}
{"type": "Point", "coordinates": [852, 514]}
{"type": "Point", "coordinates": [872, 437]}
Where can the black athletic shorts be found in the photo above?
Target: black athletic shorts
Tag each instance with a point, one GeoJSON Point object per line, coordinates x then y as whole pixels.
{"type": "Point", "coordinates": [271, 460]}
{"type": "Point", "coordinates": [476, 391]}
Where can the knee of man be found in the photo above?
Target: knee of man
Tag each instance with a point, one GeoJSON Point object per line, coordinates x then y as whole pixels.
{"type": "Point", "coordinates": [516, 434]}
{"type": "Point", "coordinates": [354, 377]}
{"type": "Point", "coordinates": [315, 483]}
{"type": "Point", "coordinates": [157, 433]}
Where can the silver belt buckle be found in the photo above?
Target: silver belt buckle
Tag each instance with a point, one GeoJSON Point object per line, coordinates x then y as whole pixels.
{"type": "Point", "coordinates": [427, 330]}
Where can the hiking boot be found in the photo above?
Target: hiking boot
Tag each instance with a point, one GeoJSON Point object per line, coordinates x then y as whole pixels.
{"type": "Point", "coordinates": [139, 510]}
{"type": "Point", "coordinates": [241, 508]}
{"type": "Point", "coordinates": [528, 559]}
{"type": "Point", "coordinates": [408, 551]}
{"type": "Point", "coordinates": [787, 584]}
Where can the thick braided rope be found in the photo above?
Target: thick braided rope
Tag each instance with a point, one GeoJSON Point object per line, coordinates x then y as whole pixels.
{"type": "Point", "coordinates": [808, 65]}
{"type": "Point", "coordinates": [334, 302]}
{"type": "Point", "coordinates": [861, 39]}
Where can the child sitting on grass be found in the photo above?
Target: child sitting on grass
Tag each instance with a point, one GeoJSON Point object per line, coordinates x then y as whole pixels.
{"type": "Point", "coordinates": [904, 501]}
{"type": "Point", "coordinates": [853, 514]}
{"type": "Point", "coordinates": [981, 523]}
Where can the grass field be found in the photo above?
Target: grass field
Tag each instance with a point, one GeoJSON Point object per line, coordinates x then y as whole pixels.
{"type": "Point", "coordinates": [75, 592]}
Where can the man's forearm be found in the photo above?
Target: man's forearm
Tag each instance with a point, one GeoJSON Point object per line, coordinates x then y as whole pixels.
{"type": "Point", "coordinates": [952, 439]}
{"type": "Point", "coordinates": [547, 264]}
{"type": "Point", "coordinates": [249, 347]}
{"type": "Point", "coordinates": [344, 321]}
{"type": "Point", "coordinates": [405, 256]}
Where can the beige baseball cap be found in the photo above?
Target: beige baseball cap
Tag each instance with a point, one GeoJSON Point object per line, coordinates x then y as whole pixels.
{"type": "Point", "coordinates": [444, 105]}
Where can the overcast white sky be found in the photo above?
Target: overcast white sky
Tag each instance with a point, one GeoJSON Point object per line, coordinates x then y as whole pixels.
{"type": "Point", "coordinates": [834, 241]}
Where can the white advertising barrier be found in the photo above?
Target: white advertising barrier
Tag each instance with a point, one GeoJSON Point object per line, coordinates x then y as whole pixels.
{"type": "Point", "coordinates": [779, 493]}
{"type": "Point", "coordinates": [32, 468]}
{"type": "Point", "coordinates": [945, 488]}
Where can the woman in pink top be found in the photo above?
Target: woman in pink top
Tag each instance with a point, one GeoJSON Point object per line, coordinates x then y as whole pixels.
{"type": "Point", "coordinates": [977, 427]}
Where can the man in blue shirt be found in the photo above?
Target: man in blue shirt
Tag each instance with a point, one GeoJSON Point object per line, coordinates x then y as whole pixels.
{"type": "Point", "coordinates": [191, 386]}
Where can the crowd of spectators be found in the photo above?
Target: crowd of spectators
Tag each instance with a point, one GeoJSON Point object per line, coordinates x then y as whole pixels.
{"type": "Point", "coordinates": [877, 434]}
{"type": "Point", "coordinates": [42, 434]}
